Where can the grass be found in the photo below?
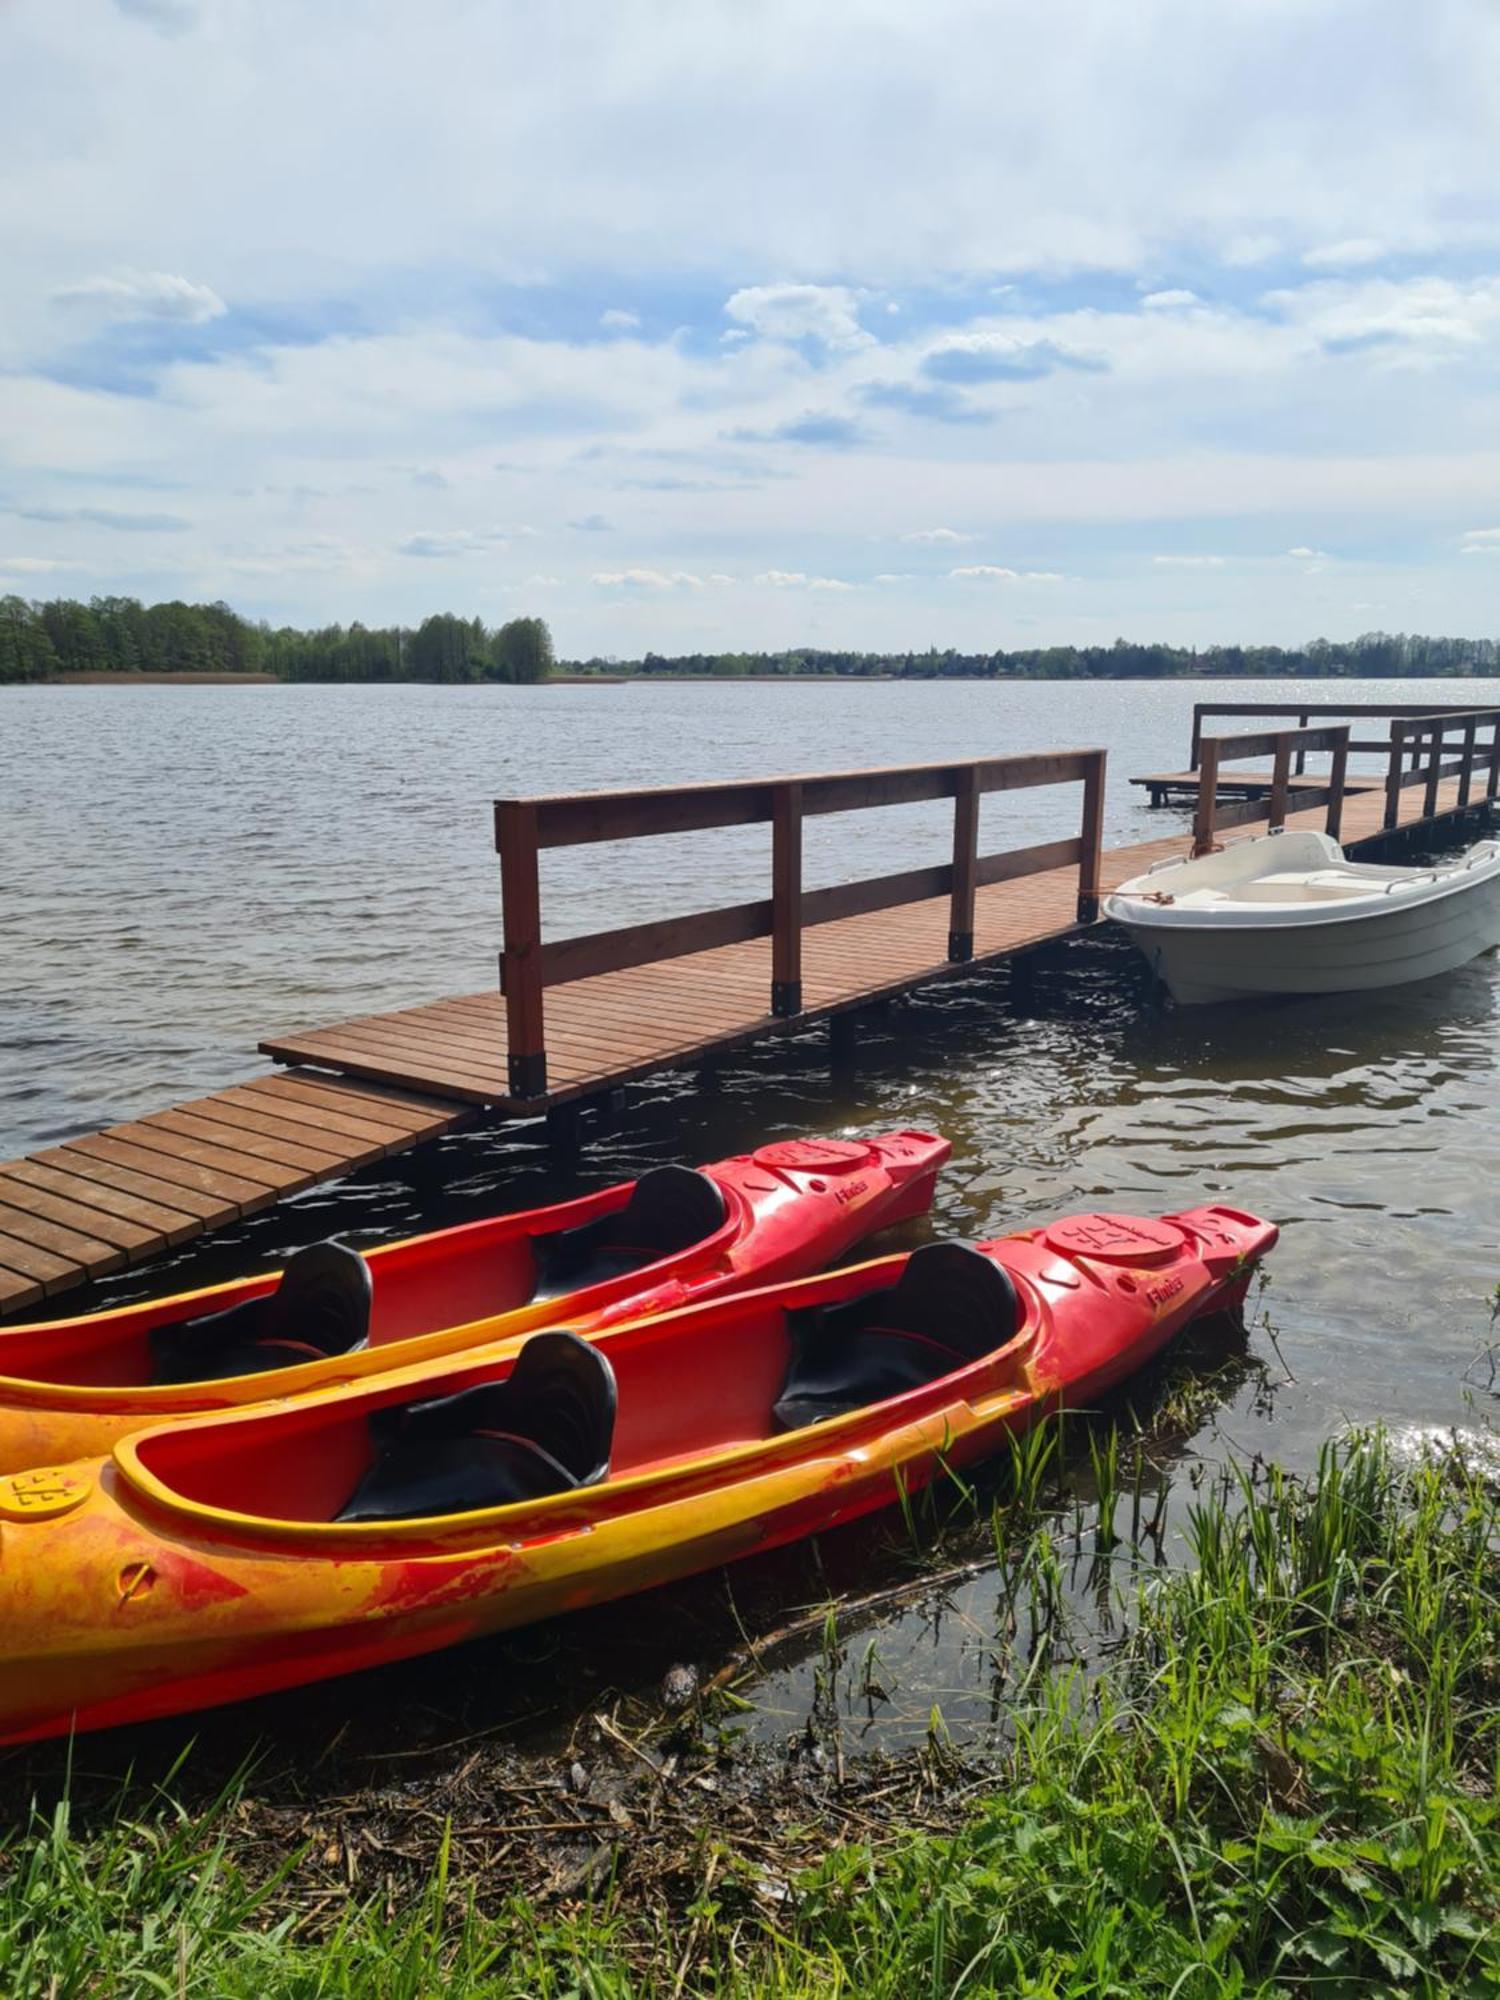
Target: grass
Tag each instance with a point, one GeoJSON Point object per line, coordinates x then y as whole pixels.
{"type": "Point", "coordinates": [1283, 1781]}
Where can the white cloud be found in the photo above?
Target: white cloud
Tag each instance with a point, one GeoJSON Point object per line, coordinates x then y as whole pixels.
{"type": "Point", "coordinates": [938, 535]}
{"type": "Point", "coordinates": [1165, 301]}
{"type": "Point", "coordinates": [1480, 542]}
{"type": "Point", "coordinates": [800, 312]}
{"type": "Point", "coordinates": [1351, 250]}
{"type": "Point", "coordinates": [796, 579]}
{"type": "Point", "coordinates": [617, 316]}
{"type": "Point", "coordinates": [991, 573]}
{"type": "Point", "coordinates": [144, 295]}
{"type": "Point", "coordinates": [1433, 317]}
{"type": "Point", "coordinates": [1189, 562]}
{"type": "Point", "coordinates": [649, 579]}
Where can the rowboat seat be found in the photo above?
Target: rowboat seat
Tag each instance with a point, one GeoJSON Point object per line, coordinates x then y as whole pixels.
{"type": "Point", "coordinates": [670, 1209]}
{"type": "Point", "coordinates": [320, 1307]}
{"type": "Point", "coordinates": [950, 1305]}
{"type": "Point", "coordinates": [546, 1428]}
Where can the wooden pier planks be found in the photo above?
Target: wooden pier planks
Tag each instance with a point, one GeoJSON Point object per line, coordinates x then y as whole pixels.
{"type": "Point", "coordinates": [107, 1199]}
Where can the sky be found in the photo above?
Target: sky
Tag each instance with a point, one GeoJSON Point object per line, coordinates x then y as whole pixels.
{"type": "Point", "coordinates": [743, 324]}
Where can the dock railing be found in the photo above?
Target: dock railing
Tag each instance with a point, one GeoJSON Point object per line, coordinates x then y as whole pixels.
{"type": "Point", "coordinates": [1418, 749]}
{"type": "Point", "coordinates": [1417, 752]}
{"type": "Point", "coordinates": [1282, 745]}
{"type": "Point", "coordinates": [1307, 711]}
{"type": "Point", "coordinates": [523, 827]}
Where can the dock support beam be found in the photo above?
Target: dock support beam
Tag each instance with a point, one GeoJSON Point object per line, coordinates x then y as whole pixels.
{"type": "Point", "coordinates": [786, 900]}
{"type": "Point", "coordinates": [521, 960]}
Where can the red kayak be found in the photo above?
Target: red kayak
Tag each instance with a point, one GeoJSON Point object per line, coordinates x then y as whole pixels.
{"type": "Point", "coordinates": [70, 1387]}
{"type": "Point", "coordinates": [225, 1556]}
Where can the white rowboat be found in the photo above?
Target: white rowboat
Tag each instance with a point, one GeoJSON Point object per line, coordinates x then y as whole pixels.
{"type": "Point", "coordinates": [1287, 913]}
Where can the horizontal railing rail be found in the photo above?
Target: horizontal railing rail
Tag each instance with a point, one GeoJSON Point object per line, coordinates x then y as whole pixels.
{"type": "Point", "coordinates": [524, 827]}
{"type": "Point", "coordinates": [1306, 710]}
{"type": "Point", "coordinates": [1281, 745]}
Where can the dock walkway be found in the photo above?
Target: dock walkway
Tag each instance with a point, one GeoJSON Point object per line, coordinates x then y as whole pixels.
{"type": "Point", "coordinates": [618, 1007]}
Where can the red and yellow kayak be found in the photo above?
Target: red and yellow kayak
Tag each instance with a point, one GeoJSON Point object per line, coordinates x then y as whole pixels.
{"type": "Point", "coordinates": [70, 1387]}
{"type": "Point", "coordinates": [228, 1555]}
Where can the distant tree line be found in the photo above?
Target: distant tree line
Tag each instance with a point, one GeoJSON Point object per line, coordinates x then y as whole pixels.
{"type": "Point", "coordinates": [119, 635]}
{"type": "Point", "coordinates": [122, 636]}
{"type": "Point", "coordinates": [1373, 655]}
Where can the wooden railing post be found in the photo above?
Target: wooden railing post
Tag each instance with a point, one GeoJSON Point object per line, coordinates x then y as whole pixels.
{"type": "Point", "coordinates": [786, 899]}
{"type": "Point", "coordinates": [1196, 749]}
{"type": "Point", "coordinates": [1208, 796]}
{"type": "Point", "coordinates": [1302, 721]}
{"type": "Point", "coordinates": [1391, 818]}
{"type": "Point", "coordinates": [1280, 782]}
{"type": "Point", "coordinates": [1338, 772]}
{"type": "Point", "coordinates": [1493, 787]}
{"type": "Point", "coordinates": [1434, 768]}
{"type": "Point", "coordinates": [1466, 776]}
{"type": "Point", "coordinates": [965, 861]}
{"type": "Point", "coordinates": [1091, 839]}
{"type": "Point", "coordinates": [521, 959]}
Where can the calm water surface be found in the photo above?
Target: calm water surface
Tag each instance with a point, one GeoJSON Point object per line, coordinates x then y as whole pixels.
{"type": "Point", "coordinates": [187, 869]}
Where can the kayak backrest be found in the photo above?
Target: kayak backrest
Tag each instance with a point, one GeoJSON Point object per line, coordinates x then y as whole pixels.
{"type": "Point", "coordinates": [548, 1427]}
{"type": "Point", "coordinates": [670, 1209]}
{"type": "Point", "coordinates": [951, 1305]}
{"type": "Point", "coordinates": [320, 1307]}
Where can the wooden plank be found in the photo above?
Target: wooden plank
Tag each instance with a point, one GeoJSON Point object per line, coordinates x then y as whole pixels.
{"type": "Point", "coordinates": [89, 1253]}
{"type": "Point", "coordinates": [90, 1162]}
{"type": "Point", "coordinates": [44, 1266]}
{"type": "Point", "coordinates": [349, 1106]}
{"type": "Point", "coordinates": [302, 1128]}
{"type": "Point", "coordinates": [249, 1144]}
{"type": "Point", "coordinates": [17, 1290]}
{"type": "Point", "coordinates": [167, 1224]}
{"type": "Point", "coordinates": [20, 1190]}
{"type": "Point", "coordinates": [231, 1194]}
{"type": "Point", "coordinates": [156, 1135]}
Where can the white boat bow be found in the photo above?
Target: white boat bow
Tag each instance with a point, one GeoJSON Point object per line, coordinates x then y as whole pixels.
{"type": "Point", "coordinates": [1289, 913]}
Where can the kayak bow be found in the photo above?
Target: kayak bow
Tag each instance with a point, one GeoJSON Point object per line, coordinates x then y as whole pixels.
{"type": "Point", "coordinates": [71, 1387]}
{"type": "Point", "coordinates": [229, 1555]}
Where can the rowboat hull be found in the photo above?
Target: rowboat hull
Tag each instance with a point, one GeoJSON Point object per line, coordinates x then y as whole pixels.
{"type": "Point", "coordinates": [200, 1563]}
{"type": "Point", "coordinates": [1412, 924]}
{"type": "Point", "coordinates": [70, 1388]}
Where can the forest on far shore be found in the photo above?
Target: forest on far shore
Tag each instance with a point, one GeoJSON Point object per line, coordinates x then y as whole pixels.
{"type": "Point", "coordinates": [120, 635]}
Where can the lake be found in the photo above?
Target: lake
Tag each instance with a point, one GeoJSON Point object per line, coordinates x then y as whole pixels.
{"type": "Point", "coordinates": [188, 869]}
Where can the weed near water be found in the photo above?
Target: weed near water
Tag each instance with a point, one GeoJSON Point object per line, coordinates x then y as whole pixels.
{"type": "Point", "coordinates": [1282, 1782]}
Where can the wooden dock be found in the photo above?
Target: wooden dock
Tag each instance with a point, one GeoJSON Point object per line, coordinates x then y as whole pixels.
{"type": "Point", "coordinates": [581, 1016]}
{"type": "Point", "coordinates": [1175, 788]}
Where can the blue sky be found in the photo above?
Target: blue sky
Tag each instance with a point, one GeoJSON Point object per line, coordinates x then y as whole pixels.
{"type": "Point", "coordinates": [752, 324]}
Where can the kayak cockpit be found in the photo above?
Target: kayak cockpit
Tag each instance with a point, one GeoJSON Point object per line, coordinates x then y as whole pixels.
{"type": "Point", "coordinates": [558, 1415]}
{"type": "Point", "coordinates": [328, 1300]}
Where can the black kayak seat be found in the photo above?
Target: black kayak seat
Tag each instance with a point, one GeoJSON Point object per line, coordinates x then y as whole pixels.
{"type": "Point", "coordinates": [951, 1305]}
{"type": "Point", "coordinates": [320, 1307]}
{"type": "Point", "coordinates": [547, 1428]}
{"type": "Point", "coordinates": [670, 1209]}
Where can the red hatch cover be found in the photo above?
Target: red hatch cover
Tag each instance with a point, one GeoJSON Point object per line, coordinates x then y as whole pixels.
{"type": "Point", "coordinates": [1117, 1239]}
{"type": "Point", "coordinates": [815, 1156]}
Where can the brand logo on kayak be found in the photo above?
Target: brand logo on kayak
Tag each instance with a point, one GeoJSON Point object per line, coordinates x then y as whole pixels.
{"type": "Point", "coordinates": [844, 1195]}
{"type": "Point", "coordinates": [1167, 1288]}
{"type": "Point", "coordinates": [32, 1496]}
